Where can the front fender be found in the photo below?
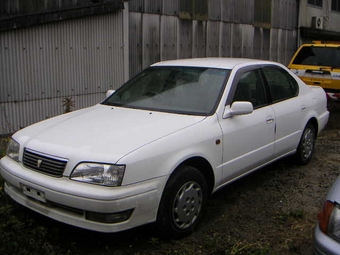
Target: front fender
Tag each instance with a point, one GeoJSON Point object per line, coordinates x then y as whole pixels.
{"type": "Point", "coordinates": [163, 156]}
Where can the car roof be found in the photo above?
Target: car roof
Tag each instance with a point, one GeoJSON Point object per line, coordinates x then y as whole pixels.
{"type": "Point", "coordinates": [225, 63]}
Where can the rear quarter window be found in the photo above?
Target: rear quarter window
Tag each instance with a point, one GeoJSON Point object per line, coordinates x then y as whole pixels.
{"type": "Point", "coordinates": [281, 84]}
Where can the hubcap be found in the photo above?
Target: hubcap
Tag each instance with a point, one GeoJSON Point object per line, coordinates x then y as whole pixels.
{"type": "Point", "coordinates": [187, 205]}
{"type": "Point", "coordinates": [308, 143]}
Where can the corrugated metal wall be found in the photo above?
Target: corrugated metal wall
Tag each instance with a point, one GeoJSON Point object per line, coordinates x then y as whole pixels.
{"type": "Point", "coordinates": [42, 65]}
{"type": "Point", "coordinates": [157, 33]}
{"type": "Point", "coordinates": [83, 58]}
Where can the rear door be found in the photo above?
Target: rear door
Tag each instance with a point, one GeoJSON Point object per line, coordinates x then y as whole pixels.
{"type": "Point", "coordinates": [288, 108]}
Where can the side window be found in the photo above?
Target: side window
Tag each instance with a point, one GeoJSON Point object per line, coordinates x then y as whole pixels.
{"type": "Point", "coordinates": [250, 88]}
{"type": "Point", "coordinates": [281, 84]}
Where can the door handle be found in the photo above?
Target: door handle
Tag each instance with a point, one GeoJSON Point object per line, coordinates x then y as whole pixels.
{"type": "Point", "coordinates": [271, 120]}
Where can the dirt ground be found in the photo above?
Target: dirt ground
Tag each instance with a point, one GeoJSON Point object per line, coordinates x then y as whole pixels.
{"type": "Point", "coordinates": [272, 211]}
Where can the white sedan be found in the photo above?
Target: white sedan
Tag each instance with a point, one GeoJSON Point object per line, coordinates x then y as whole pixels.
{"type": "Point", "coordinates": [156, 148]}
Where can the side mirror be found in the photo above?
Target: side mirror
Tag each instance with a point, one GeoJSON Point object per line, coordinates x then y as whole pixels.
{"type": "Point", "coordinates": [109, 92]}
{"type": "Point", "coordinates": [238, 108]}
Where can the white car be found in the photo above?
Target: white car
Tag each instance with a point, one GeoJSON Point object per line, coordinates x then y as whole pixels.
{"type": "Point", "coordinates": [158, 146]}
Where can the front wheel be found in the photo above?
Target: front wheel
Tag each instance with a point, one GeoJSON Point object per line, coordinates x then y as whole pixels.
{"type": "Point", "coordinates": [182, 203]}
{"type": "Point", "coordinates": [305, 149]}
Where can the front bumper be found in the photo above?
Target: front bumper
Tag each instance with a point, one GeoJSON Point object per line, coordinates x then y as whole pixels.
{"type": "Point", "coordinates": [71, 202]}
{"type": "Point", "coordinates": [323, 244]}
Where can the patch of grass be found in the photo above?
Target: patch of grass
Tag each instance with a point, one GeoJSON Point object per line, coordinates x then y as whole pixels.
{"type": "Point", "coordinates": [3, 145]}
{"type": "Point", "coordinates": [249, 249]}
{"type": "Point", "coordinates": [297, 214]}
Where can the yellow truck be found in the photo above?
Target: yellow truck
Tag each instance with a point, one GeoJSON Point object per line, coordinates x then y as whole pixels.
{"type": "Point", "coordinates": [318, 64]}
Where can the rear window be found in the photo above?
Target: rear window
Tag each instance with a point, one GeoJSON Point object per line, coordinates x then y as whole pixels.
{"type": "Point", "coordinates": [281, 84]}
{"type": "Point", "coordinates": [318, 56]}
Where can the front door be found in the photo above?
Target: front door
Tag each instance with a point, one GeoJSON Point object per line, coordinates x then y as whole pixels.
{"type": "Point", "coordinates": [248, 140]}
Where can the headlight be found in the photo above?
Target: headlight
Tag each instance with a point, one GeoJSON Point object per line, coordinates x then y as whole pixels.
{"type": "Point", "coordinates": [329, 220]}
{"type": "Point", "coordinates": [13, 150]}
{"type": "Point", "coordinates": [100, 174]}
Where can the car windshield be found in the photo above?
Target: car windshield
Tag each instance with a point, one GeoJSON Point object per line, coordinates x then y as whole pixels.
{"type": "Point", "coordinates": [185, 90]}
{"type": "Point", "coordinates": [319, 56]}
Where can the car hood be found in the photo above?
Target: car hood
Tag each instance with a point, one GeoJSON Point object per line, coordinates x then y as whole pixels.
{"type": "Point", "coordinates": [101, 132]}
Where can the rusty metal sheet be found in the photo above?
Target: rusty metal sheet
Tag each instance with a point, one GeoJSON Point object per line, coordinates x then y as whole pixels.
{"type": "Point", "coordinates": [169, 35]}
{"type": "Point", "coordinates": [171, 7]}
{"type": "Point", "coordinates": [281, 46]}
{"type": "Point", "coordinates": [225, 39]}
{"type": "Point", "coordinates": [240, 11]}
{"type": "Point", "coordinates": [136, 6]}
{"type": "Point", "coordinates": [236, 50]}
{"type": "Point", "coordinates": [265, 43]}
{"type": "Point", "coordinates": [199, 38]}
{"type": "Point", "coordinates": [213, 36]}
{"type": "Point", "coordinates": [215, 9]}
{"type": "Point", "coordinates": [274, 43]}
{"type": "Point", "coordinates": [227, 10]}
{"type": "Point", "coordinates": [153, 6]}
{"type": "Point", "coordinates": [135, 43]}
{"type": "Point", "coordinates": [150, 39]}
{"type": "Point", "coordinates": [185, 39]}
{"type": "Point", "coordinates": [247, 41]}
{"type": "Point", "coordinates": [257, 46]}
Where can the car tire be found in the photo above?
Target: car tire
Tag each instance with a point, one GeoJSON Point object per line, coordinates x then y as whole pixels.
{"type": "Point", "coordinates": [182, 203]}
{"type": "Point", "coordinates": [305, 150]}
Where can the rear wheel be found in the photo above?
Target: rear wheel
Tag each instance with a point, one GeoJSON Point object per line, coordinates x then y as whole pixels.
{"type": "Point", "coordinates": [182, 203]}
{"type": "Point", "coordinates": [305, 149]}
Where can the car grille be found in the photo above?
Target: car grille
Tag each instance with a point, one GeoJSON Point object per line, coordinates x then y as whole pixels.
{"type": "Point", "coordinates": [44, 163]}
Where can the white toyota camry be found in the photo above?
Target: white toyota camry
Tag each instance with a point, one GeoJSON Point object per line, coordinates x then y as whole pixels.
{"type": "Point", "coordinates": [156, 148]}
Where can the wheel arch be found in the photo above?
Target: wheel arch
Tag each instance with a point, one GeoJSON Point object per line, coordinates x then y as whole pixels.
{"type": "Point", "coordinates": [313, 121]}
{"type": "Point", "coordinates": [202, 165]}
